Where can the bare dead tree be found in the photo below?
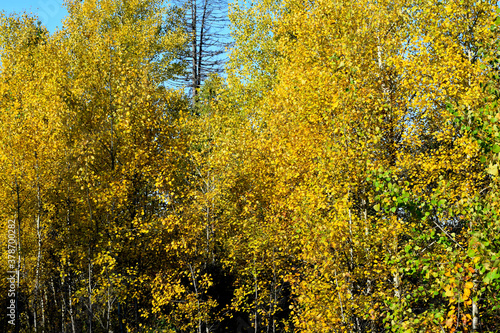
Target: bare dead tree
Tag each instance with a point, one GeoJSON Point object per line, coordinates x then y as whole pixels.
{"type": "Point", "coordinates": [207, 24]}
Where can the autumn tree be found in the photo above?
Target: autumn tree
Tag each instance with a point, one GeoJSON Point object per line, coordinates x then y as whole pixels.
{"type": "Point", "coordinates": [113, 119]}
{"type": "Point", "coordinates": [372, 166]}
{"type": "Point", "coordinates": [342, 175]}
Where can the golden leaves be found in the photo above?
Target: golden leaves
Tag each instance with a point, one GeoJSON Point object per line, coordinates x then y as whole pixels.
{"type": "Point", "coordinates": [337, 175]}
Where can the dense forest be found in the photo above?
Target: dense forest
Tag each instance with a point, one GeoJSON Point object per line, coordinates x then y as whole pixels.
{"type": "Point", "coordinates": [339, 173]}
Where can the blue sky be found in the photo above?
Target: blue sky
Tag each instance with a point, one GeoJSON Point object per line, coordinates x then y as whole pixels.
{"type": "Point", "coordinates": [50, 12]}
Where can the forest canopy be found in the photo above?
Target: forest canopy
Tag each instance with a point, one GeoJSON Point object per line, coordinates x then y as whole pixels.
{"type": "Point", "coordinates": [340, 172]}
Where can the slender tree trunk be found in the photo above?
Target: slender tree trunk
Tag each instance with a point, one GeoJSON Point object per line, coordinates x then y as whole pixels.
{"type": "Point", "coordinates": [90, 253]}
{"type": "Point", "coordinates": [194, 78]}
{"type": "Point", "coordinates": [201, 44]}
{"type": "Point", "coordinates": [256, 322]}
{"type": "Point", "coordinates": [90, 313]}
{"type": "Point", "coordinates": [120, 319]}
{"type": "Point", "coordinates": [70, 280]}
{"type": "Point", "coordinates": [340, 300]}
{"type": "Point", "coordinates": [109, 304]}
{"type": "Point", "coordinates": [39, 251]}
{"type": "Point", "coordinates": [63, 304]}
{"type": "Point", "coordinates": [112, 157]}
{"type": "Point", "coordinates": [475, 312]}
{"type": "Point", "coordinates": [71, 316]}
{"type": "Point", "coordinates": [197, 296]}
{"type": "Point", "coordinates": [42, 304]}
{"type": "Point", "coordinates": [37, 275]}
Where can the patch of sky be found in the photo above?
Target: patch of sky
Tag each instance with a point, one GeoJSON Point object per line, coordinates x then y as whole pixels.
{"type": "Point", "coordinates": [50, 12]}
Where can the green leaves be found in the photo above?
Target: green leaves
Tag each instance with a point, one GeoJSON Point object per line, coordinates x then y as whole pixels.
{"type": "Point", "coordinates": [491, 276]}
